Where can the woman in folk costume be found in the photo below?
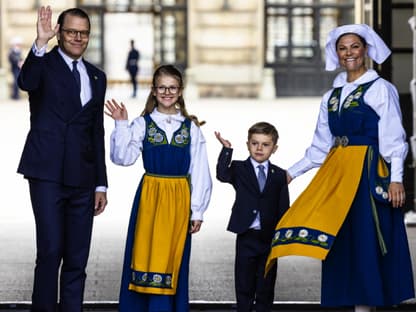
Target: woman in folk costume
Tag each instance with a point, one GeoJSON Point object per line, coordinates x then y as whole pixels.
{"type": "Point", "coordinates": [170, 200]}
{"type": "Point", "coordinates": [349, 216]}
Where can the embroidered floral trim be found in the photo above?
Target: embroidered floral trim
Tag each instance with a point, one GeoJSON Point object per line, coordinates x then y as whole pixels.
{"type": "Point", "coordinates": [380, 191]}
{"type": "Point", "coordinates": [181, 137]}
{"type": "Point", "coordinates": [334, 101]}
{"type": "Point", "coordinates": [333, 104]}
{"type": "Point", "coordinates": [148, 279]}
{"type": "Point", "coordinates": [155, 136]}
{"type": "Point", "coordinates": [302, 235]}
{"type": "Point", "coordinates": [350, 101]}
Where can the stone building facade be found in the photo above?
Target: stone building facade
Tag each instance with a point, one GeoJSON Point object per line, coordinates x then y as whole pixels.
{"type": "Point", "coordinates": [227, 48]}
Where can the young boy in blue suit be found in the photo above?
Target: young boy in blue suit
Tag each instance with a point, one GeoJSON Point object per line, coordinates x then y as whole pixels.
{"type": "Point", "coordinates": [261, 199]}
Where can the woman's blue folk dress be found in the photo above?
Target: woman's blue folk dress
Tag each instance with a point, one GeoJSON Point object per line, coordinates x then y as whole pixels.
{"type": "Point", "coordinates": [369, 262]}
{"type": "Point", "coordinates": [344, 217]}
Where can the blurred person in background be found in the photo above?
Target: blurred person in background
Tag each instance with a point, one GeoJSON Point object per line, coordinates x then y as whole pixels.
{"type": "Point", "coordinates": [132, 66]}
{"type": "Point", "coordinates": [16, 61]}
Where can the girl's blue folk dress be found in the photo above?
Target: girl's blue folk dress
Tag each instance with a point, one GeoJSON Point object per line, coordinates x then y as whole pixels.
{"type": "Point", "coordinates": [157, 253]}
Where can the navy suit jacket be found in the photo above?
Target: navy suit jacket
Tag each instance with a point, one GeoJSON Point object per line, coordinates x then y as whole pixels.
{"type": "Point", "coordinates": [65, 143]}
{"type": "Point", "coordinates": [272, 203]}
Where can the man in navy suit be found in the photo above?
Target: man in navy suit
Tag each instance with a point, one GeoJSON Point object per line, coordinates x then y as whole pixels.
{"type": "Point", "coordinates": [63, 157]}
{"type": "Point", "coordinates": [261, 199]}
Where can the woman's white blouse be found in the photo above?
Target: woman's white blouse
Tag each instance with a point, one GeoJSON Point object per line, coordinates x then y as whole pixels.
{"type": "Point", "coordinates": [382, 96]}
{"type": "Point", "coordinates": [126, 146]}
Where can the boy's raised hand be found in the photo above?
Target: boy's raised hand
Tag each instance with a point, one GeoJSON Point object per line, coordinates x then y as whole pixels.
{"type": "Point", "coordinates": [115, 110]}
{"type": "Point", "coordinates": [223, 141]}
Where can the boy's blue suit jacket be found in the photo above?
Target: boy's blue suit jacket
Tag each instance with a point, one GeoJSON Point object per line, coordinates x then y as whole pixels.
{"type": "Point", "coordinates": [272, 202]}
{"type": "Point", "coordinates": [65, 143]}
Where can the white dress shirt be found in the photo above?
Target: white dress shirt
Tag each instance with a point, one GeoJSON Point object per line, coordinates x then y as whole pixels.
{"type": "Point", "coordinates": [256, 224]}
{"type": "Point", "coordinates": [85, 93]}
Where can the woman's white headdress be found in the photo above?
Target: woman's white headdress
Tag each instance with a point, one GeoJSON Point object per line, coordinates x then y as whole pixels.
{"type": "Point", "coordinates": [377, 49]}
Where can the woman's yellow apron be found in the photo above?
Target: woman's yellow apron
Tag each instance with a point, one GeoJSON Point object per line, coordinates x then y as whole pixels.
{"type": "Point", "coordinates": [310, 225]}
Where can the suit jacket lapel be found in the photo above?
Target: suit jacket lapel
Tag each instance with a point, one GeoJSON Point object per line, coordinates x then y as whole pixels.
{"type": "Point", "coordinates": [269, 173]}
{"type": "Point", "coordinates": [253, 175]}
{"type": "Point", "coordinates": [251, 172]}
{"type": "Point", "coordinates": [93, 80]}
{"type": "Point", "coordinates": [66, 79]}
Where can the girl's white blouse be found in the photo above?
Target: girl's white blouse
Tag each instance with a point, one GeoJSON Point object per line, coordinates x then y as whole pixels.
{"type": "Point", "coordinates": [126, 146]}
{"type": "Point", "coordinates": [383, 97]}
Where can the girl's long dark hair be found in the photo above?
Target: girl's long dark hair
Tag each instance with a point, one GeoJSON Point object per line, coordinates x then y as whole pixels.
{"type": "Point", "coordinates": [151, 102]}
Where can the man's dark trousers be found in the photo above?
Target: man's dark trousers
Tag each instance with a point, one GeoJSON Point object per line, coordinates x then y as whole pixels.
{"type": "Point", "coordinates": [64, 218]}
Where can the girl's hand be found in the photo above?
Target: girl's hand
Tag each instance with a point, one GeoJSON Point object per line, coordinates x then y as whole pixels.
{"type": "Point", "coordinates": [45, 32]}
{"type": "Point", "coordinates": [115, 110]}
{"type": "Point", "coordinates": [397, 195]}
{"type": "Point", "coordinates": [195, 226]}
{"type": "Point", "coordinates": [223, 141]}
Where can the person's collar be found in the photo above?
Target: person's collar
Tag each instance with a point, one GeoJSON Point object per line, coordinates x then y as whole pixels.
{"type": "Point", "coordinates": [162, 116]}
{"type": "Point", "coordinates": [256, 164]}
{"type": "Point", "coordinates": [68, 60]}
{"type": "Point", "coordinates": [341, 79]}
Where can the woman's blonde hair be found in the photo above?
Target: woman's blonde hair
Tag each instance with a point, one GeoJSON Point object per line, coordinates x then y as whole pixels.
{"type": "Point", "coordinates": [151, 102]}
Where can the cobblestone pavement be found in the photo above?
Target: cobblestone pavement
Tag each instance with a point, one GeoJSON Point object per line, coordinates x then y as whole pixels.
{"type": "Point", "coordinates": [211, 276]}
{"type": "Point", "coordinates": [281, 307]}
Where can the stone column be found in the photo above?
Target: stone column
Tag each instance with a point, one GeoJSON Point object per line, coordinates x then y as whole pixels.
{"type": "Point", "coordinates": [191, 88]}
{"type": "Point", "coordinates": [4, 89]}
{"type": "Point", "coordinates": [267, 90]}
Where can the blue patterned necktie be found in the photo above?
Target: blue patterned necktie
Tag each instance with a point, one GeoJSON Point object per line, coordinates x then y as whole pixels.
{"type": "Point", "coordinates": [76, 74]}
{"type": "Point", "coordinates": [261, 177]}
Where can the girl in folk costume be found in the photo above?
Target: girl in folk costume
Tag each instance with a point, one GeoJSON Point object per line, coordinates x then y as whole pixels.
{"type": "Point", "coordinates": [170, 200]}
{"type": "Point", "coordinates": [349, 216]}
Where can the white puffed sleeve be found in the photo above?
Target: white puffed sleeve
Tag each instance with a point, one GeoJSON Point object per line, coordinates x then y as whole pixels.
{"type": "Point", "coordinates": [384, 99]}
{"type": "Point", "coordinates": [126, 141]}
{"type": "Point", "coordinates": [201, 182]}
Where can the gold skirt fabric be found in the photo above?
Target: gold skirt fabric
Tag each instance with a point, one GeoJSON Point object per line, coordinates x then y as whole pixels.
{"type": "Point", "coordinates": [159, 239]}
{"type": "Point", "coordinates": [311, 224]}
